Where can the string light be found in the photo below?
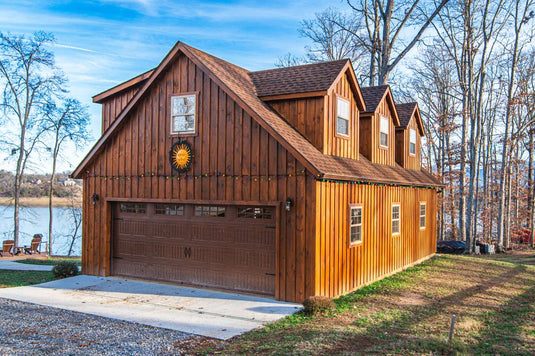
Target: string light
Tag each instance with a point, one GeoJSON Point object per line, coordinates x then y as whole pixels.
{"type": "Point", "coordinates": [256, 178]}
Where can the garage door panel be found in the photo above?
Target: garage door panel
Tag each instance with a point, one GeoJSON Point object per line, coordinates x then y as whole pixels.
{"type": "Point", "coordinates": [215, 251]}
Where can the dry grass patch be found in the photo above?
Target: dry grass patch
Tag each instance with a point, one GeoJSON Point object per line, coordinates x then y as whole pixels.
{"type": "Point", "coordinates": [410, 313]}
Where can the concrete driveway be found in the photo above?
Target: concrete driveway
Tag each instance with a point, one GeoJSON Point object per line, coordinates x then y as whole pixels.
{"type": "Point", "coordinates": [197, 311]}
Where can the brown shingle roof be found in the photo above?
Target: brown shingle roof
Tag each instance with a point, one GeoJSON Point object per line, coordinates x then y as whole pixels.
{"type": "Point", "coordinates": [405, 112]}
{"type": "Point", "coordinates": [299, 79]}
{"type": "Point", "coordinates": [240, 86]}
{"type": "Point", "coordinates": [373, 96]}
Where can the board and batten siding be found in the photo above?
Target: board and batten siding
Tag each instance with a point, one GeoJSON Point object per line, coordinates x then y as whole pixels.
{"type": "Point", "coordinates": [228, 141]}
{"type": "Point", "coordinates": [370, 133]}
{"type": "Point", "coordinates": [306, 115]}
{"type": "Point", "coordinates": [403, 156]}
{"type": "Point", "coordinates": [342, 267]}
{"type": "Point", "coordinates": [112, 106]}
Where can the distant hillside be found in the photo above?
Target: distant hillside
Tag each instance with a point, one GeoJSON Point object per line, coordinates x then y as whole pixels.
{"type": "Point", "coordinates": [36, 185]}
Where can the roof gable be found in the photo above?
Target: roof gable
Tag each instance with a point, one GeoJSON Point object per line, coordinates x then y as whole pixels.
{"type": "Point", "coordinates": [373, 96]}
{"type": "Point", "coordinates": [406, 112]}
{"type": "Point", "coordinates": [237, 83]}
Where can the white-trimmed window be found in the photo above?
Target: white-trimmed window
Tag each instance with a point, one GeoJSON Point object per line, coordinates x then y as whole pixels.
{"type": "Point", "coordinates": [422, 215]}
{"type": "Point", "coordinates": [342, 117]}
{"type": "Point", "coordinates": [355, 224]}
{"type": "Point", "coordinates": [412, 142]}
{"type": "Point", "coordinates": [396, 219]}
{"type": "Point", "coordinates": [183, 114]}
{"type": "Point", "coordinates": [384, 126]}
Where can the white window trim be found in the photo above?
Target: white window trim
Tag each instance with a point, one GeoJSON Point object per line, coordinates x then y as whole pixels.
{"type": "Point", "coordinates": [424, 216]}
{"type": "Point", "coordinates": [387, 133]}
{"type": "Point", "coordinates": [415, 139]}
{"type": "Point", "coordinates": [392, 219]}
{"type": "Point", "coordinates": [342, 117]}
{"type": "Point", "coordinates": [351, 207]}
{"type": "Point", "coordinates": [195, 114]}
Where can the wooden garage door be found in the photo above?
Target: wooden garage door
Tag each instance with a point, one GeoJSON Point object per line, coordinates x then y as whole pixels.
{"type": "Point", "coordinates": [231, 247]}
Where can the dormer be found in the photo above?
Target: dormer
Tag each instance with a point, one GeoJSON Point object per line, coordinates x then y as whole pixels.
{"type": "Point", "coordinates": [322, 101]}
{"type": "Point", "coordinates": [377, 125]}
{"type": "Point", "coordinates": [408, 136]}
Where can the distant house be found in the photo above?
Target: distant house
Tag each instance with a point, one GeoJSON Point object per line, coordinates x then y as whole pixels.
{"type": "Point", "coordinates": [35, 181]}
{"type": "Point", "coordinates": [69, 182]}
{"type": "Point", "coordinates": [281, 182]}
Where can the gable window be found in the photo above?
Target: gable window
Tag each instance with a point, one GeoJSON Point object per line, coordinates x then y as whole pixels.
{"type": "Point", "coordinates": [383, 131]}
{"type": "Point", "coordinates": [183, 114]}
{"type": "Point", "coordinates": [412, 142]}
{"type": "Point", "coordinates": [355, 225]}
{"type": "Point", "coordinates": [342, 117]}
{"type": "Point", "coordinates": [422, 215]}
{"type": "Point", "coordinates": [396, 219]}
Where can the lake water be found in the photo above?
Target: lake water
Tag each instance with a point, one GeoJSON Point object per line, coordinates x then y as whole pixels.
{"type": "Point", "coordinates": [34, 220]}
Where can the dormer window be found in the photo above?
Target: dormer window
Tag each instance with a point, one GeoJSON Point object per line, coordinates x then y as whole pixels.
{"type": "Point", "coordinates": [412, 142]}
{"type": "Point", "coordinates": [183, 114]}
{"type": "Point", "coordinates": [342, 117]}
{"type": "Point", "coordinates": [384, 126]}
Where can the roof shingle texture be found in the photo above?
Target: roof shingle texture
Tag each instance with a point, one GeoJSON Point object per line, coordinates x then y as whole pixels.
{"type": "Point", "coordinates": [405, 112]}
{"type": "Point", "coordinates": [299, 79]}
{"type": "Point", "coordinates": [241, 83]}
{"type": "Point", "coordinates": [373, 96]}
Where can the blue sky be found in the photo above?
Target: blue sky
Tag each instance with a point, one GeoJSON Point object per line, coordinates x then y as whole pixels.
{"type": "Point", "coordinates": [101, 43]}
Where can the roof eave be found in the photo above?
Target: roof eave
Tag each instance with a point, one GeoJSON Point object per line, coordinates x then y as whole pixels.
{"type": "Point", "coordinates": [99, 98]}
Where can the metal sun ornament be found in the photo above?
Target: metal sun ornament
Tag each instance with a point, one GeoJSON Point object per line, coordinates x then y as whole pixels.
{"type": "Point", "coordinates": [181, 156]}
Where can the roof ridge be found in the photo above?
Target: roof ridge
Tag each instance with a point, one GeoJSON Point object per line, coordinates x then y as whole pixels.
{"type": "Point", "coordinates": [300, 65]}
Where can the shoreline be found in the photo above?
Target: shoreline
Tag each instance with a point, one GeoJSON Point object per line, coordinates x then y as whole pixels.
{"type": "Point", "coordinates": [43, 202]}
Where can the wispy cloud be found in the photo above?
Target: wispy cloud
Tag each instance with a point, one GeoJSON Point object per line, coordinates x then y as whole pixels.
{"type": "Point", "coordinates": [74, 47]}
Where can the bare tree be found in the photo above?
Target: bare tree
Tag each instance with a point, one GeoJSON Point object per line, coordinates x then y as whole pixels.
{"type": "Point", "coordinates": [521, 16]}
{"type": "Point", "coordinates": [381, 25]}
{"type": "Point", "coordinates": [66, 122]}
{"type": "Point", "coordinates": [29, 79]}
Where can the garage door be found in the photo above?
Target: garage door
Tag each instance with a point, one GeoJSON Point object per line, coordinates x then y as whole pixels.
{"type": "Point", "coordinates": [230, 247]}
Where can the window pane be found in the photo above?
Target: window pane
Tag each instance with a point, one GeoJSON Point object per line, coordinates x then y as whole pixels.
{"type": "Point", "coordinates": [342, 126]}
{"type": "Point", "coordinates": [395, 226]}
{"type": "Point", "coordinates": [412, 148]}
{"type": "Point", "coordinates": [169, 209]}
{"type": "Point", "coordinates": [183, 113]}
{"type": "Point", "coordinates": [342, 108]}
{"type": "Point", "coordinates": [384, 125]}
{"type": "Point", "coordinates": [255, 213]}
{"type": "Point", "coordinates": [413, 136]}
{"type": "Point", "coordinates": [384, 139]}
{"type": "Point", "coordinates": [422, 221]}
{"type": "Point", "coordinates": [206, 210]}
{"type": "Point", "coordinates": [183, 105]}
{"type": "Point", "coordinates": [133, 208]}
{"type": "Point", "coordinates": [395, 212]}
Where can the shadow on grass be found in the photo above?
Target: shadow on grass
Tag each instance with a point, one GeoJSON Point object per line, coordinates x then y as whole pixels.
{"type": "Point", "coordinates": [392, 330]}
{"type": "Point", "coordinates": [503, 329]}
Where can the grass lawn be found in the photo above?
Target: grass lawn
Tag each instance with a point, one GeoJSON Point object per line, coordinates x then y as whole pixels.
{"type": "Point", "coordinates": [24, 278]}
{"type": "Point", "coordinates": [410, 313]}
{"type": "Point", "coordinates": [51, 261]}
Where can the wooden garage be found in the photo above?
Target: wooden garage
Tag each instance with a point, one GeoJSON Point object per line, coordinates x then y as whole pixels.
{"type": "Point", "coordinates": [208, 174]}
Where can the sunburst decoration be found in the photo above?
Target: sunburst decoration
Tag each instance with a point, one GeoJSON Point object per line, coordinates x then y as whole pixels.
{"type": "Point", "coordinates": [181, 156]}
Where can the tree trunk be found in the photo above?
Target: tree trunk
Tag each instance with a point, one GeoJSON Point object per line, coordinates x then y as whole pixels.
{"type": "Point", "coordinates": [51, 188]}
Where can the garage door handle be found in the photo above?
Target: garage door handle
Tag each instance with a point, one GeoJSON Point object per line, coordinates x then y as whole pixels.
{"type": "Point", "coordinates": [270, 274]}
{"type": "Point", "coordinates": [117, 258]}
{"type": "Point", "coordinates": [187, 251]}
